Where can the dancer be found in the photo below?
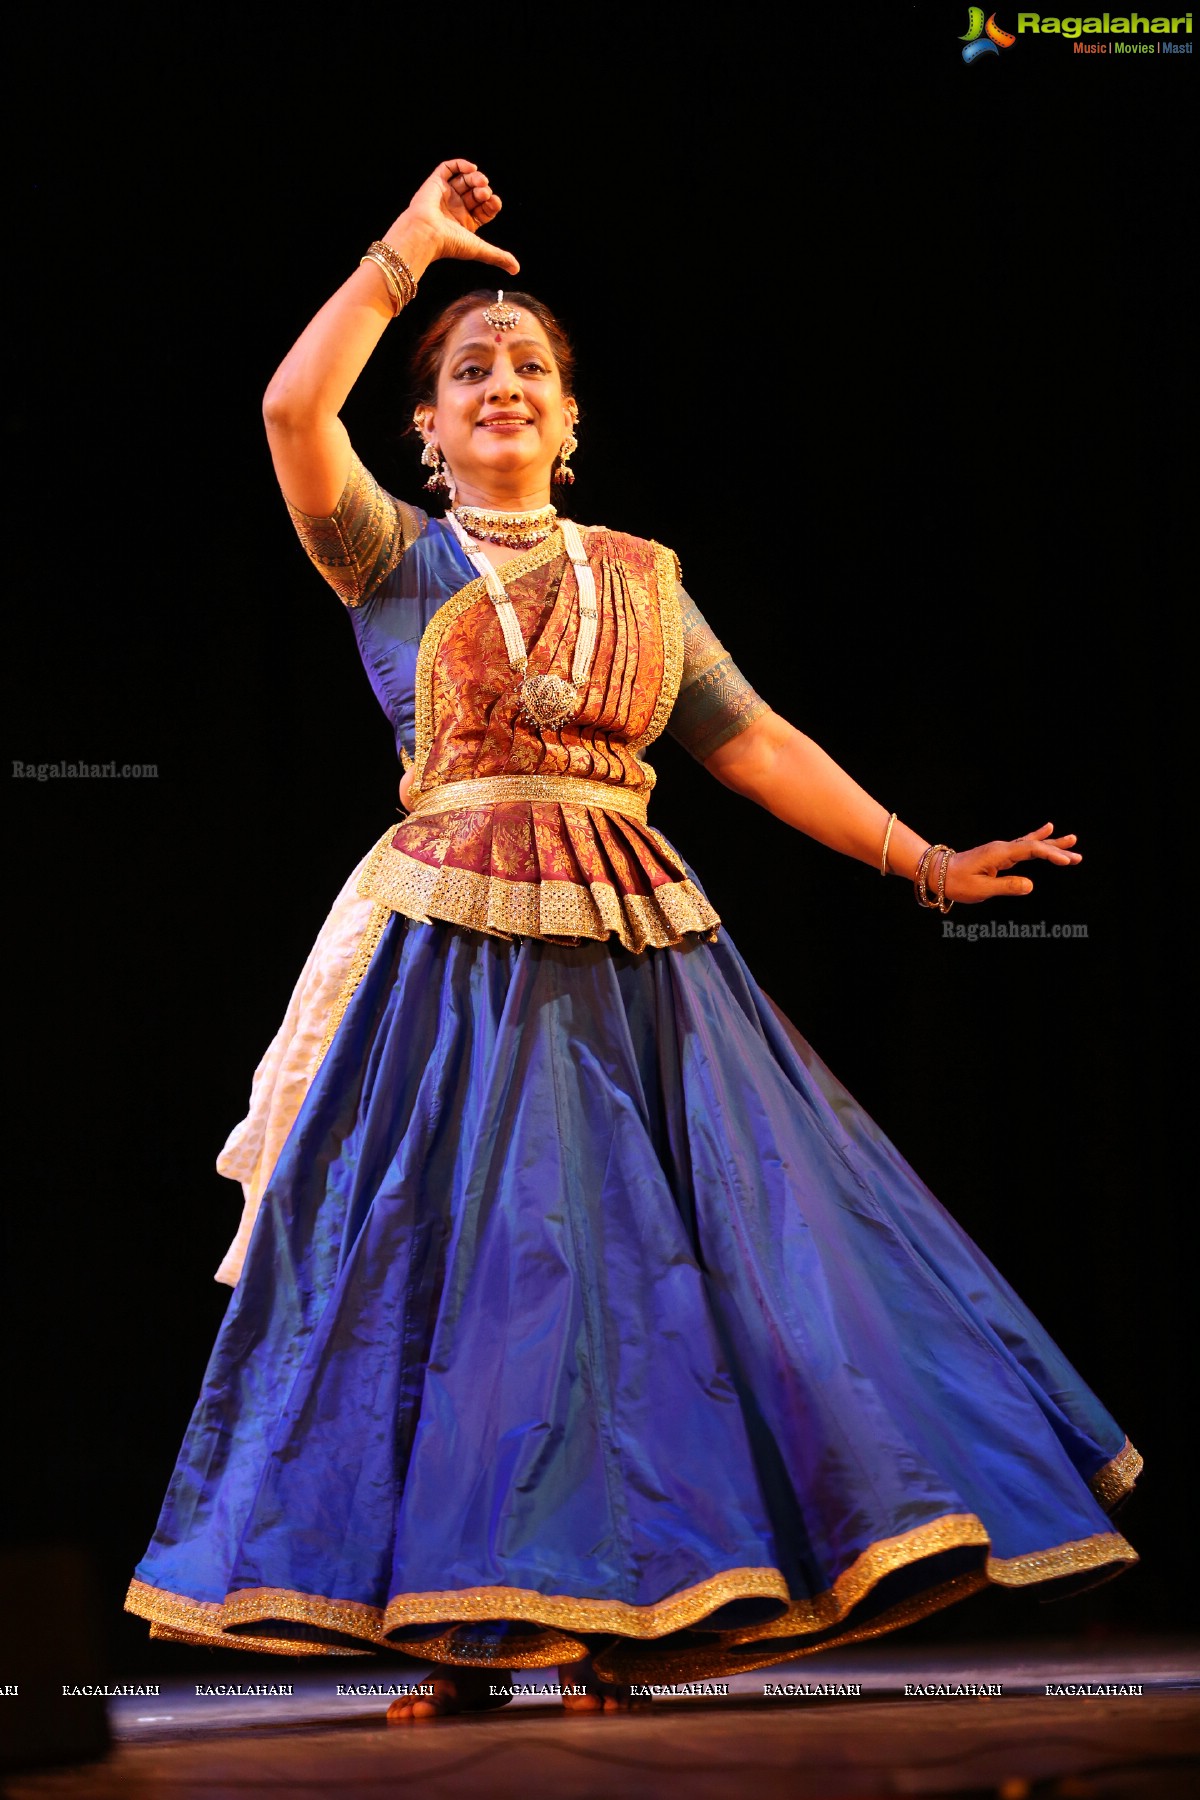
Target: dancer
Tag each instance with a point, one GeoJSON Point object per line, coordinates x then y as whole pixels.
{"type": "Point", "coordinates": [581, 1317]}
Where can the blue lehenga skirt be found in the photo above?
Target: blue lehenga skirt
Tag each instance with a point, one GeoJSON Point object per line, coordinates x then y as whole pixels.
{"type": "Point", "coordinates": [585, 1309]}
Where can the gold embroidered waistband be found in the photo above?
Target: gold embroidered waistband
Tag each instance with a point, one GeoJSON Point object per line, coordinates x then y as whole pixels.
{"type": "Point", "coordinates": [567, 790]}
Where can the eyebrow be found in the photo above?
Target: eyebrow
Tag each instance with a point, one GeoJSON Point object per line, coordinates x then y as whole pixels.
{"type": "Point", "coordinates": [484, 344]}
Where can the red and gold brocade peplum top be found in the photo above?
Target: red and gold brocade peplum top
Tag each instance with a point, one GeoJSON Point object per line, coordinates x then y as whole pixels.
{"type": "Point", "coordinates": [515, 831]}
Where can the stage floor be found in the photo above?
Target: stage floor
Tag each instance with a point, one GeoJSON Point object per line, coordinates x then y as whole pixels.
{"type": "Point", "coordinates": [748, 1745]}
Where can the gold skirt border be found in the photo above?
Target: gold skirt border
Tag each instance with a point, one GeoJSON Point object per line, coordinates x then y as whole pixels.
{"type": "Point", "coordinates": [276, 1646]}
{"type": "Point", "coordinates": [1116, 1478]}
{"type": "Point", "coordinates": [192, 1621]}
{"type": "Point", "coordinates": [624, 1662]}
{"type": "Point", "coordinates": [557, 910]}
{"type": "Point", "coordinates": [187, 1621]}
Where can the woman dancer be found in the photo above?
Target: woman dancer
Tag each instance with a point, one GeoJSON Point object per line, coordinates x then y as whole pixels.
{"type": "Point", "coordinates": [584, 1318]}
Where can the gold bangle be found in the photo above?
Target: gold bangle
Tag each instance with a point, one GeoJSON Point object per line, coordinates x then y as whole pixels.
{"type": "Point", "coordinates": [887, 838]}
{"type": "Point", "coordinates": [922, 875]}
{"type": "Point", "coordinates": [942, 907]}
{"type": "Point", "coordinates": [388, 280]}
{"type": "Point", "coordinates": [406, 281]}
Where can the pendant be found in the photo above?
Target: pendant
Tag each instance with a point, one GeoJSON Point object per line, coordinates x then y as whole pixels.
{"type": "Point", "coordinates": [547, 701]}
{"type": "Point", "coordinates": [502, 317]}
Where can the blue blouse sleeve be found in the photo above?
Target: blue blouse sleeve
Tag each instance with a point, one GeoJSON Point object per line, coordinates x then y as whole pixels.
{"type": "Point", "coordinates": [715, 701]}
{"type": "Point", "coordinates": [359, 544]}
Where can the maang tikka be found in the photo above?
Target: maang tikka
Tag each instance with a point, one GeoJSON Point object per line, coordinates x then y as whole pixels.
{"type": "Point", "coordinates": [501, 317]}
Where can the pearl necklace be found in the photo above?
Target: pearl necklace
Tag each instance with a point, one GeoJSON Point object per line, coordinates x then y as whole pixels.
{"type": "Point", "coordinates": [547, 701]}
{"type": "Point", "coordinates": [515, 530]}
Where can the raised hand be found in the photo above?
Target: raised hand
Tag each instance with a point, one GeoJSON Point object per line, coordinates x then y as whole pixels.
{"type": "Point", "coordinates": [448, 211]}
{"type": "Point", "coordinates": [979, 874]}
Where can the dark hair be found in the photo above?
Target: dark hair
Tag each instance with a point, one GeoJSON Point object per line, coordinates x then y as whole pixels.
{"type": "Point", "coordinates": [430, 348]}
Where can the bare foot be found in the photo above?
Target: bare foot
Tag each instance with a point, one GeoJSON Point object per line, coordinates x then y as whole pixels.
{"type": "Point", "coordinates": [598, 1695]}
{"type": "Point", "coordinates": [464, 1690]}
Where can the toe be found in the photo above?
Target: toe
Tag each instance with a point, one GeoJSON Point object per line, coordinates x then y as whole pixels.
{"type": "Point", "coordinates": [425, 1706]}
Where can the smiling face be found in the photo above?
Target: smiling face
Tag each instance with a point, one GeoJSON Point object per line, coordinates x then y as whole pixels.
{"type": "Point", "coordinates": [501, 416]}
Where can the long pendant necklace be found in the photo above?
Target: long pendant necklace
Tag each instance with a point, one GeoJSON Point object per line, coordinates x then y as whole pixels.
{"type": "Point", "coordinates": [547, 701]}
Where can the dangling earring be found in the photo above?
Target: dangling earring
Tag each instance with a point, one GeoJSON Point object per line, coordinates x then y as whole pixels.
{"type": "Point", "coordinates": [562, 473]}
{"type": "Point", "coordinates": [441, 479]}
{"type": "Point", "coordinates": [431, 458]}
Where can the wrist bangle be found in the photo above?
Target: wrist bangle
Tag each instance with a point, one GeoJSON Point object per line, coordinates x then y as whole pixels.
{"type": "Point", "coordinates": [943, 905]}
{"type": "Point", "coordinates": [388, 258]}
{"type": "Point", "coordinates": [887, 838]}
{"type": "Point", "coordinates": [921, 879]}
{"type": "Point", "coordinates": [388, 279]}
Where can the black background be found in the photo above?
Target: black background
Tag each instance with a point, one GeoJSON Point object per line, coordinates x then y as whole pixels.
{"type": "Point", "coordinates": [891, 350]}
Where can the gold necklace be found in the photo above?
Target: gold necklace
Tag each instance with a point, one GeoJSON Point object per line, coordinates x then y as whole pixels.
{"type": "Point", "coordinates": [515, 530]}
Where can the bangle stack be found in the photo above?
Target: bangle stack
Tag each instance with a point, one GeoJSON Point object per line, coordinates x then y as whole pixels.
{"type": "Point", "coordinates": [401, 282]}
{"type": "Point", "coordinates": [921, 879]}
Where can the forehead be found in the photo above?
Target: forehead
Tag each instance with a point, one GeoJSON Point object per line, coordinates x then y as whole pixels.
{"type": "Point", "coordinates": [473, 327]}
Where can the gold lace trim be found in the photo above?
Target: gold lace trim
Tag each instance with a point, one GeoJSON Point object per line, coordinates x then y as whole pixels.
{"type": "Point", "coordinates": [670, 621]}
{"type": "Point", "coordinates": [367, 944]}
{"type": "Point", "coordinates": [566, 790]}
{"type": "Point", "coordinates": [953, 1532]}
{"type": "Point", "coordinates": [564, 1610]}
{"type": "Point", "coordinates": [1116, 1478]}
{"type": "Point", "coordinates": [251, 1606]}
{"type": "Point", "coordinates": [563, 1613]}
{"type": "Point", "coordinates": [625, 1660]}
{"type": "Point", "coordinates": [186, 1621]}
{"type": "Point", "coordinates": [1063, 1559]}
{"type": "Point", "coordinates": [476, 1605]}
{"type": "Point", "coordinates": [541, 909]}
{"type": "Point", "coordinates": [732, 1655]}
{"type": "Point", "coordinates": [274, 1646]}
{"type": "Point", "coordinates": [439, 625]}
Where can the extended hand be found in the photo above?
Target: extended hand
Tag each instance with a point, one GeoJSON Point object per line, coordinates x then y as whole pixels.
{"type": "Point", "coordinates": [979, 874]}
{"type": "Point", "coordinates": [450, 208]}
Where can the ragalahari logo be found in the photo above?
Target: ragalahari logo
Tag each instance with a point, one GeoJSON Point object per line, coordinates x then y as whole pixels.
{"type": "Point", "coordinates": [982, 39]}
